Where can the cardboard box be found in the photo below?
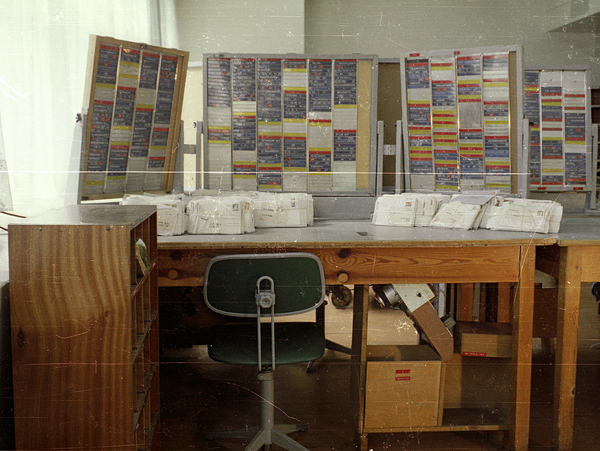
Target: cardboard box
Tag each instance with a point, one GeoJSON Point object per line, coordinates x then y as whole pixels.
{"type": "Point", "coordinates": [404, 387]}
{"type": "Point", "coordinates": [416, 298]}
{"type": "Point", "coordinates": [427, 319]}
{"type": "Point", "coordinates": [484, 339]}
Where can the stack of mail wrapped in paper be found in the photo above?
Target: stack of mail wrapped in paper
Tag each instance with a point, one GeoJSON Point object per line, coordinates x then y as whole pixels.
{"type": "Point", "coordinates": [220, 215]}
{"type": "Point", "coordinates": [456, 215]}
{"type": "Point", "coordinates": [526, 215]}
{"type": "Point", "coordinates": [468, 210]}
{"type": "Point", "coordinates": [407, 209]}
{"type": "Point", "coordinates": [170, 211]}
{"type": "Point", "coordinates": [282, 209]}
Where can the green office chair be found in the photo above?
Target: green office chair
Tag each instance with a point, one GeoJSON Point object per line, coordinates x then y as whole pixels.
{"type": "Point", "coordinates": [266, 285]}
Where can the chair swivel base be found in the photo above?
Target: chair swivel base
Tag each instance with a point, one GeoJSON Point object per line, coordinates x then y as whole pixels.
{"type": "Point", "coordinates": [250, 432]}
{"type": "Point", "coordinates": [269, 433]}
{"type": "Point", "coordinates": [277, 438]}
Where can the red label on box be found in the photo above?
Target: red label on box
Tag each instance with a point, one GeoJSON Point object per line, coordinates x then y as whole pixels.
{"type": "Point", "coordinates": [402, 378]}
{"type": "Point", "coordinates": [474, 354]}
{"type": "Point", "coordinates": [402, 371]}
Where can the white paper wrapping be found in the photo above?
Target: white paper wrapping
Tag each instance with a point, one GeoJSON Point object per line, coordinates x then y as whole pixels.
{"type": "Point", "coordinates": [220, 215]}
{"type": "Point", "coordinates": [526, 215]}
{"type": "Point", "coordinates": [456, 215]}
{"type": "Point", "coordinates": [282, 209]}
{"type": "Point", "coordinates": [427, 207]}
{"type": "Point", "coordinates": [407, 209]}
{"type": "Point", "coordinates": [170, 212]}
{"type": "Point", "coordinates": [396, 210]}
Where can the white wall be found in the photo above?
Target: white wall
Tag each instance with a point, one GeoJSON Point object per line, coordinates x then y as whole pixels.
{"type": "Point", "coordinates": [553, 33]}
{"type": "Point", "coordinates": [235, 26]}
{"type": "Point", "coordinates": [390, 28]}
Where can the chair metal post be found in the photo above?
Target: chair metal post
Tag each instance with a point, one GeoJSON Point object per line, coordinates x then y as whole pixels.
{"type": "Point", "coordinates": [259, 337]}
{"type": "Point", "coordinates": [265, 298]}
{"type": "Point", "coordinates": [267, 412]}
{"type": "Point", "coordinates": [230, 283]}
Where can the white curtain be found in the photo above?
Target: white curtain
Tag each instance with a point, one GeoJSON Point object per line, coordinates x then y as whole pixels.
{"type": "Point", "coordinates": [5, 196]}
{"type": "Point", "coordinates": [42, 78]}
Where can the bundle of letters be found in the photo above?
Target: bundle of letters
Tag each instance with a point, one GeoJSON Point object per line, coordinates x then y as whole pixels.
{"type": "Point", "coordinates": [237, 212]}
{"type": "Point", "coordinates": [226, 212]}
{"type": "Point", "coordinates": [170, 211]}
{"type": "Point", "coordinates": [220, 215]}
{"type": "Point", "coordinates": [282, 209]}
{"type": "Point", "coordinates": [407, 209]}
{"type": "Point", "coordinates": [526, 215]}
{"type": "Point", "coordinates": [468, 210]}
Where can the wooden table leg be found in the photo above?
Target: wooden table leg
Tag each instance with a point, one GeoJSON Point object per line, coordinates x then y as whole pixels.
{"type": "Point", "coordinates": [466, 302]}
{"type": "Point", "coordinates": [521, 351]}
{"type": "Point", "coordinates": [567, 328]}
{"type": "Point", "coordinates": [359, 361]}
{"type": "Point", "coordinates": [503, 302]}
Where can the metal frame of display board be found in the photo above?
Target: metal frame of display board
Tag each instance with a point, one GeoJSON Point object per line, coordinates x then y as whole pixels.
{"type": "Point", "coordinates": [177, 185]}
{"type": "Point", "coordinates": [591, 199]}
{"type": "Point", "coordinates": [133, 100]}
{"type": "Point", "coordinates": [556, 89]}
{"type": "Point", "coordinates": [509, 159]}
{"type": "Point", "coordinates": [355, 196]}
{"type": "Point", "coordinates": [389, 112]}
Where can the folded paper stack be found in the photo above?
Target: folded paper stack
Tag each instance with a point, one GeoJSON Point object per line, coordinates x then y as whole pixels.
{"type": "Point", "coordinates": [282, 209]}
{"type": "Point", "coordinates": [220, 215]}
{"type": "Point", "coordinates": [468, 210]}
{"type": "Point", "coordinates": [170, 211]}
{"type": "Point", "coordinates": [407, 209]}
{"type": "Point", "coordinates": [456, 215]}
{"type": "Point", "coordinates": [526, 215]}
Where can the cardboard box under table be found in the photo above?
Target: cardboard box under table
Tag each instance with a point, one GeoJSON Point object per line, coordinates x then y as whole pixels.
{"type": "Point", "coordinates": [484, 339]}
{"type": "Point", "coordinates": [404, 388]}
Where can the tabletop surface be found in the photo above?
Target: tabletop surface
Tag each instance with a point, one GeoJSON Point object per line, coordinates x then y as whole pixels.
{"type": "Point", "coordinates": [357, 233]}
{"type": "Point", "coordinates": [584, 230]}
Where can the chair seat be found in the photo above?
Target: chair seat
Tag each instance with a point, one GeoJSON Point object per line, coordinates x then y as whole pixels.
{"type": "Point", "coordinates": [295, 342]}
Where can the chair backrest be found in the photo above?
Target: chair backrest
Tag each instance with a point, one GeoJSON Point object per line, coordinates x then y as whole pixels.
{"type": "Point", "coordinates": [230, 283]}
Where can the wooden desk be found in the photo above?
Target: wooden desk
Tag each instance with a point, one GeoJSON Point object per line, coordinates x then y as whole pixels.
{"type": "Point", "coordinates": [359, 253]}
{"type": "Point", "coordinates": [573, 260]}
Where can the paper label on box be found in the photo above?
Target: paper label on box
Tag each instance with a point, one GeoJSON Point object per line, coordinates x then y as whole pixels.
{"type": "Point", "coordinates": [403, 378]}
{"type": "Point", "coordinates": [474, 354]}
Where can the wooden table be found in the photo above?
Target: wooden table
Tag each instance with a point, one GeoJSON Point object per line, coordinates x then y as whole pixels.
{"type": "Point", "coordinates": [359, 253]}
{"type": "Point", "coordinates": [573, 260]}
